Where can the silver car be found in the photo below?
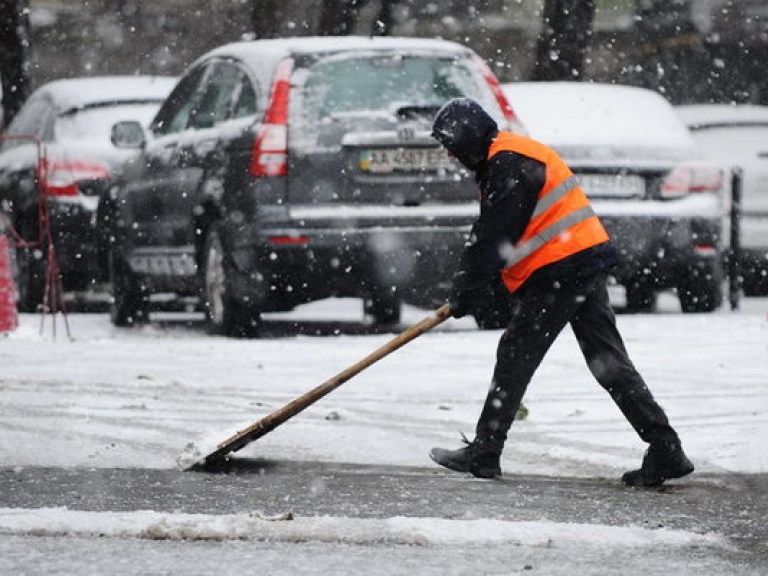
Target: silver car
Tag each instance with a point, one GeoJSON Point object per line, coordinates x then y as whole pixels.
{"type": "Point", "coordinates": [661, 201]}
{"type": "Point", "coordinates": [738, 136]}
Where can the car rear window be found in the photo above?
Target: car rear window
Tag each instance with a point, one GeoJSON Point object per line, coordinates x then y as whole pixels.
{"type": "Point", "coordinates": [734, 142]}
{"type": "Point", "coordinates": [339, 86]}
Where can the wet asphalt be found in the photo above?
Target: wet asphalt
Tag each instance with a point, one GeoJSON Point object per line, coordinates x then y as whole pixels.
{"type": "Point", "coordinates": [734, 506]}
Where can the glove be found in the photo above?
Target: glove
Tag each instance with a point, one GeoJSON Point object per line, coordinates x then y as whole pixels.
{"type": "Point", "coordinates": [461, 303]}
{"type": "Point", "coordinates": [463, 296]}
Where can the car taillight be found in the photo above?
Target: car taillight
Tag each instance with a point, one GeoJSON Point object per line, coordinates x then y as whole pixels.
{"type": "Point", "coordinates": [493, 83]}
{"type": "Point", "coordinates": [60, 177]}
{"type": "Point", "coordinates": [270, 148]}
{"type": "Point", "coordinates": [686, 179]}
{"type": "Point", "coordinates": [288, 239]}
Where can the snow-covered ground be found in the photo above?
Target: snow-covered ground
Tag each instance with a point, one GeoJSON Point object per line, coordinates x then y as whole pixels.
{"type": "Point", "coordinates": [112, 397]}
{"type": "Point", "coordinates": [134, 398]}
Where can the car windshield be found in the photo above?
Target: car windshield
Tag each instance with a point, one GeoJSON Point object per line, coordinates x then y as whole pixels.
{"type": "Point", "coordinates": [340, 86]}
{"type": "Point", "coordinates": [734, 142]}
{"type": "Point", "coordinates": [96, 123]}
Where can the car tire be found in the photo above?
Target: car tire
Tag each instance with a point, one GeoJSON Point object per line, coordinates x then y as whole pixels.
{"type": "Point", "coordinates": [130, 300]}
{"type": "Point", "coordinates": [384, 306]}
{"type": "Point", "coordinates": [640, 296]}
{"type": "Point", "coordinates": [225, 314]}
{"type": "Point", "coordinates": [701, 291]}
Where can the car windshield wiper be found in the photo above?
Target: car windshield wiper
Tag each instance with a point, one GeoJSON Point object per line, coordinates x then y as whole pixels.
{"type": "Point", "coordinates": [411, 112]}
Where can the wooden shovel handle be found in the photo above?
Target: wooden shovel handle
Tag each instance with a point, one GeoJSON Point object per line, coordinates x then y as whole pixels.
{"type": "Point", "coordinates": [273, 420]}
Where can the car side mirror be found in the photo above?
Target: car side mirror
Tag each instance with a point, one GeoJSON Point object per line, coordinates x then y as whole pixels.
{"type": "Point", "coordinates": [128, 134]}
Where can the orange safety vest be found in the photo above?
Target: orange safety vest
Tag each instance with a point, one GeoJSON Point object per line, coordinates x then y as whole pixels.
{"type": "Point", "coordinates": [563, 222]}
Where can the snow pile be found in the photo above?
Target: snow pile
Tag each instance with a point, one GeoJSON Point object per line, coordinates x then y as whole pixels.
{"type": "Point", "coordinates": [370, 531]}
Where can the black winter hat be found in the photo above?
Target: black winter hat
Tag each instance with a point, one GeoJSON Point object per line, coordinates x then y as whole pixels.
{"type": "Point", "coordinates": [466, 130]}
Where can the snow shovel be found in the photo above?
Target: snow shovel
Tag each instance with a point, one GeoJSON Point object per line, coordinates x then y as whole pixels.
{"type": "Point", "coordinates": [273, 420]}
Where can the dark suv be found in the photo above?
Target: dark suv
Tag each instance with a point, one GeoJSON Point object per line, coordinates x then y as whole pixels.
{"type": "Point", "coordinates": [284, 171]}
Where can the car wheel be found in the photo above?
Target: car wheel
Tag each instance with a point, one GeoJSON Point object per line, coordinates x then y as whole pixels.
{"type": "Point", "coordinates": [702, 291]}
{"type": "Point", "coordinates": [225, 314]}
{"type": "Point", "coordinates": [640, 296]}
{"type": "Point", "coordinates": [130, 301]}
{"type": "Point", "coordinates": [384, 306]}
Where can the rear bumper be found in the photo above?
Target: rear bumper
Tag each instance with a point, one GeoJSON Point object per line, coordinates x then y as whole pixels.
{"type": "Point", "coordinates": [417, 262]}
{"type": "Point", "coordinates": [662, 242]}
{"type": "Point", "coordinates": [73, 226]}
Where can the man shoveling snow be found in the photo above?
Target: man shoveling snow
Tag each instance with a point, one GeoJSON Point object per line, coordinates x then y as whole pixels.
{"type": "Point", "coordinates": [538, 235]}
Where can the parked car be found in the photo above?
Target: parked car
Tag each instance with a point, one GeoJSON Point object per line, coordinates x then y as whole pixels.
{"type": "Point", "coordinates": [59, 145]}
{"type": "Point", "coordinates": [284, 171]}
{"type": "Point", "coordinates": [660, 200]}
{"type": "Point", "coordinates": [738, 136]}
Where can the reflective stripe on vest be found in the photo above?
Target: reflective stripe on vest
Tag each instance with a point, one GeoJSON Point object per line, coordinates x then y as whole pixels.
{"type": "Point", "coordinates": [551, 232]}
{"type": "Point", "coordinates": [563, 222]}
{"type": "Point", "coordinates": [554, 195]}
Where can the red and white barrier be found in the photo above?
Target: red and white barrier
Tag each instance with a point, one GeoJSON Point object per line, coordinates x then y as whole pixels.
{"type": "Point", "coordinates": [9, 317]}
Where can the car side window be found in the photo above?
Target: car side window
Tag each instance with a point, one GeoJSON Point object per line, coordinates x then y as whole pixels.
{"type": "Point", "coordinates": [247, 103]}
{"type": "Point", "coordinates": [219, 90]}
{"type": "Point", "coordinates": [175, 112]}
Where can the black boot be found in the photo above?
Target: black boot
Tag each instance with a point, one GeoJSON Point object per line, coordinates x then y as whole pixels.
{"type": "Point", "coordinates": [661, 462]}
{"type": "Point", "coordinates": [479, 457]}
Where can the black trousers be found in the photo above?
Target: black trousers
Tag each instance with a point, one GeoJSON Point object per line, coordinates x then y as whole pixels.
{"type": "Point", "coordinates": [538, 315]}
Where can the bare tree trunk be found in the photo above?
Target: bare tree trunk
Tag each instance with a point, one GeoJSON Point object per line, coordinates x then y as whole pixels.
{"type": "Point", "coordinates": [14, 44]}
{"type": "Point", "coordinates": [267, 17]}
{"type": "Point", "coordinates": [338, 17]}
{"type": "Point", "coordinates": [564, 39]}
{"type": "Point", "coordinates": [385, 20]}
{"type": "Point", "coordinates": [671, 53]}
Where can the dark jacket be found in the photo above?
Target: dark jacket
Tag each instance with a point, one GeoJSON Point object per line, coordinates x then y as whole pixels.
{"type": "Point", "coordinates": [509, 186]}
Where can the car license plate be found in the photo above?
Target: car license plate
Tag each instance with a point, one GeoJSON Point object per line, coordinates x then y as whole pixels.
{"type": "Point", "coordinates": [388, 160]}
{"type": "Point", "coordinates": [612, 185]}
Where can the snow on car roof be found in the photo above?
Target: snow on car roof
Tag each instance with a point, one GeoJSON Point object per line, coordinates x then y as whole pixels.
{"type": "Point", "coordinates": [702, 115]}
{"type": "Point", "coordinates": [78, 92]}
{"type": "Point", "coordinates": [262, 55]}
{"type": "Point", "coordinates": [595, 114]}
{"type": "Point", "coordinates": [314, 44]}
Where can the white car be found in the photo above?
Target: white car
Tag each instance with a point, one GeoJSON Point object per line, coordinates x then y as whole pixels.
{"type": "Point", "coordinates": [58, 148]}
{"type": "Point", "coordinates": [661, 201]}
{"type": "Point", "coordinates": [737, 135]}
